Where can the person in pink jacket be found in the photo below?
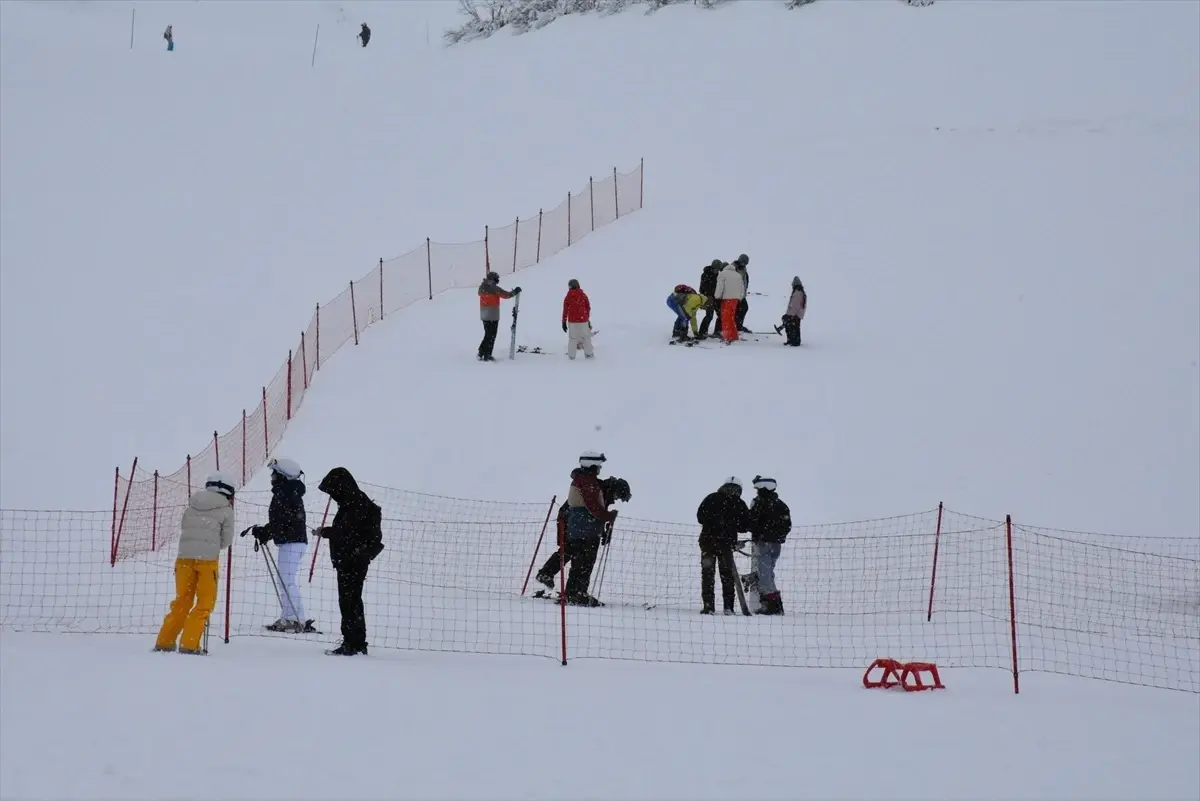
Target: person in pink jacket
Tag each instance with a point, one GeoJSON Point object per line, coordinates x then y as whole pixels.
{"type": "Point", "coordinates": [797, 305]}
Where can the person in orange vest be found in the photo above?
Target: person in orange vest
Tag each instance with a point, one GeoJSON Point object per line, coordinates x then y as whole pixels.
{"type": "Point", "coordinates": [490, 294]}
{"type": "Point", "coordinates": [576, 321]}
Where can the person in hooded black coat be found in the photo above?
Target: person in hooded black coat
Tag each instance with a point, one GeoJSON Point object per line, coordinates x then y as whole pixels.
{"type": "Point", "coordinates": [722, 516]}
{"type": "Point", "coordinates": [355, 539]}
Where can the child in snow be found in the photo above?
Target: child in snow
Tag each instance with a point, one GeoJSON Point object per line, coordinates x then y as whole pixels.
{"type": "Point", "coordinates": [796, 307]}
{"type": "Point", "coordinates": [686, 303]}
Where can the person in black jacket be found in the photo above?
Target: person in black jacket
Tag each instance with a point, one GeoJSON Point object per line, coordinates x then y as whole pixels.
{"type": "Point", "coordinates": [286, 527]}
{"type": "Point", "coordinates": [770, 523]}
{"type": "Point", "coordinates": [722, 516]}
{"type": "Point", "coordinates": [365, 35]}
{"type": "Point", "coordinates": [355, 539]}
{"type": "Point", "coordinates": [708, 288]}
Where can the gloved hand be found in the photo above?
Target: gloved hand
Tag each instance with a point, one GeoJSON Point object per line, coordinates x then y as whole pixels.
{"type": "Point", "coordinates": [589, 325]}
{"type": "Point", "coordinates": [321, 531]}
{"type": "Point", "coordinates": [247, 530]}
{"type": "Point", "coordinates": [564, 326]}
{"type": "Point", "coordinates": [516, 290]}
{"type": "Point", "coordinates": [262, 534]}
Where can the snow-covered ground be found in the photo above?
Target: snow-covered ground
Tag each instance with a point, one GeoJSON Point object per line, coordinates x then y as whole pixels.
{"type": "Point", "coordinates": [993, 207]}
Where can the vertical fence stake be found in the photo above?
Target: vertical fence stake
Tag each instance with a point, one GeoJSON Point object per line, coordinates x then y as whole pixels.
{"type": "Point", "coordinates": [538, 545]}
{"type": "Point", "coordinates": [616, 197]}
{"type": "Point", "coordinates": [154, 516]}
{"type": "Point", "coordinates": [429, 265]}
{"type": "Point", "coordinates": [317, 547]}
{"type": "Point", "coordinates": [112, 540]}
{"type": "Point", "coordinates": [937, 539]}
{"type": "Point", "coordinates": [304, 361]}
{"type": "Point", "coordinates": [516, 233]}
{"type": "Point", "coordinates": [562, 594]}
{"type": "Point", "coordinates": [217, 449]}
{"type": "Point", "coordinates": [642, 183]}
{"type": "Point", "coordinates": [568, 219]}
{"type": "Point", "coordinates": [132, 20]}
{"type": "Point", "coordinates": [1012, 604]}
{"type": "Point", "coordinates": [243, 447]}
{"type": "Point", "coordinates": [124, 510]}
{"type": "Point", "coordinates": [289, 386]}
{"type": "Point", "coordinates": [537, 259]}
{"type": "Point", "coordinates": [487, 255]}
{"type": "Point", "coordinates": [228, 588]}
{"type": "Point", "coordinates": [354, 312]}
{"type": "Point", "coordinates": [189, 472]}
{"type": "Point", "coordinates": [380, 287]}
{"type": "Point", "coordinates": [317, 364]}
{"type": "Point", "coordinates": [316, 36]}
{"type": "Point", "coordinates": [592, 202]}
{"type": "Point", "coordinates": [266, 434]}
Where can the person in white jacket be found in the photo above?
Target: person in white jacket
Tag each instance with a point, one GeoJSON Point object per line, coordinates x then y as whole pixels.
{"type": "Point", "coordinates": [205, 530]}
{"type": "Point", "coordinates": [731, 290]}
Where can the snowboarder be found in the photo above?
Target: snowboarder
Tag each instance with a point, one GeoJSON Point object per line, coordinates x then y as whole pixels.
{"type": "Point", "coordinates": [589, 524]}
{"type": "Point", "coordinates": [365, 34]}
{"type": "Point", "coordinates": [708, 288]}
{"type": "Point", "coordinates": [205, 530]}
{"type": "Point", "coordinates": [170, 37]}
{"type": "Point", "coordinates": [731, 291]}
{"type": "Point", "coordinates": [722, 516]}
{"type": "Point", "coordinates": [740, 264]}
{"type": "Point", "coordinates": [614, 489]}
{"type": "Point", "coordinates": [797, 305]}
{"type": "Point", "coordinates": [686, 303]}
{"type": "Point", "coordinates": [286, 527]}
{"type": "Point", "coordinates": [355, 539]}
{"type": "Point", "coordinates": [576, 321]}
{"type": "Point", "coordinates": [769, 523]}
{"type": "Point", "coordinates": [490, 294]}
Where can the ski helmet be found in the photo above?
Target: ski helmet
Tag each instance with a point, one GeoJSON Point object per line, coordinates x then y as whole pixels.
{"type": "Point", "coordinates": [220, 482]}
{"type": "Point", "coordinates": [684, 289]}
{"type": "Point", "coordinates": [287, 468]}
{"type": "Point", "coordinates": [618, 488]}
{"type": "Point", "coordinates": [762, 482]}
{"type": "Point", "coordinates": [733, 481]}
{"type": "Point", "coordinates": [743, 260]}
{"type": "Point", "coordinates": [494, 277]}
{"type": "Point", "coordinates": [592, 459]}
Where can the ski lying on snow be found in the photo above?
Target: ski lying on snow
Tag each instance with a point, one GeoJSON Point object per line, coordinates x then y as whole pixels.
{"type": "Point", "coordinates": [555, 598]}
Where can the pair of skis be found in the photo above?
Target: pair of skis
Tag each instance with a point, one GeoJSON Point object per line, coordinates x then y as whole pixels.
{"type": "Point", "coordinates": [538, 349]}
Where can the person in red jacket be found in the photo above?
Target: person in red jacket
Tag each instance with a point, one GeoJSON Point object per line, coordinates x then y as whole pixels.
{"type": "Point", "coordinates": [576, 320]}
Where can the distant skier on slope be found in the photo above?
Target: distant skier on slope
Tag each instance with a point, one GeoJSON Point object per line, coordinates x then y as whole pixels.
{"type": "Point", "coordinates": [614, 489]}
{"type": "Point", "coordinates": [722, 515]}
{"type": "Point", "coordinates": [577, 321]}
{"type": "Point", "coordinates": [708, 288]}
{"type": "Point", "coordinates": [731, 291]}
{"type": "Point", "coordinates": [797, 305]}
{"type": "Point", "coordinates": [686, 303]}
{"type": "Point", "coordinates": [741, 263]}
{"type": "Point", "coordinates": [490, 293]}
{"type": "Point", "coordinates": [365, 35]}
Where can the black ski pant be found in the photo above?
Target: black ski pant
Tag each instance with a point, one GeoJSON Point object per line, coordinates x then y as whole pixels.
{"type": "Point", "coordinates": [582, 553]}
{"type": "Point", "coordinates": [709, 314]}
{"type": "Point", "coordinates": [739, 317]}
{"type": "Point", "coordinates": [680, 330]}
{"type": "Point", "coordinates": [350, 580]}
{"type": "Point", "coordinates": [716, 557]}
{"type": "Point", "coordinates": [791, 327]}
{"type": "Point", "coordinates": [490, 327]}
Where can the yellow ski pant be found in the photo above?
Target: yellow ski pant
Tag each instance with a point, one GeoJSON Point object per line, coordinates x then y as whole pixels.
{"type": "Point", "coordinates": [195, 582]}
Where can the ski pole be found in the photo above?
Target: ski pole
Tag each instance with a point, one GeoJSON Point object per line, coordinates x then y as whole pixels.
{"type": "Point", "coordinates": [290, 604]}
{"type": "Point", "coordinates": [270, 572]}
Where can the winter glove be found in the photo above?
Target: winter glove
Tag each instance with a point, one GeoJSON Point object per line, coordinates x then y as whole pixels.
{"type": "Point", "coordinates": [589, 325]}
{"type": "Point", "coordinates": [321, 531]}
{"type": "Point", "coordinates": [516, 290]}
{"type": "Point", "coordinates": [564, 326]}
{"type": "Point", "coordinates": [247, 530]}
{"type": "Point", "coordinates": [262, 534]}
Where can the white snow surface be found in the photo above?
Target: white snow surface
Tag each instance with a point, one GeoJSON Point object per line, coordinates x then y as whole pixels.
{"type": "Point", "coordinates": [993, 207]}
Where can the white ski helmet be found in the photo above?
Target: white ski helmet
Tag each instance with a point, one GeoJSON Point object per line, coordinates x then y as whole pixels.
{"type": "Point", "coordinates": [733, 481]}
{"type": "Point", "coordinates": [220, 482]}
{"type": "Point", "coordinates": [592, 459]}
{"type": "Point", "coordinates": [762, 482]}
{"type": "Point", "coordinates": [288, 468]}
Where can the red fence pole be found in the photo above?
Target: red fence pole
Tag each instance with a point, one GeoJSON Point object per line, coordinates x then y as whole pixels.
{"type": "Point", "coordinates": [937, 538]}
{"type": "Point", "coordinates": [228, 588]}
{"type": "Point", "coordinates": [537, 259]}
{"type": "Point", "coordinates": [1012, 604]}
{"type": "Point", "coordinates": [381, 287]}
{"type": "Point", "coordinates": [354, 312]}
{"type": "Point", "coordinates": [124, 510]}
{"type": "Point", "coordinates": [516, 234]}
{"type": "Point", "coordinates": [189, 472]}
{"type": "Point", "coordinates": [303, 360]}
{"type": "Point", "coordinates": [562, 594]}
{"type": "Point", "coordinates": [616, 196]}
{"type": "Point", "coordinates": [289, 386]}
{"type": "Point", "coordinates": [642, 183]}
{"type": "Point", "coordinates": [112, 539]}
{"type": "Point", "coordinates": [154, 516]}
{"type": "Point", "coordinates": [217, 449]}
{"type": "Point", "coordinates": [568, 219]}
{"type": "Point", "coordinates": [243, 446]}
{"type": "Point", "coordinates": [538, 546]}
{"type": "Point", "coordinates": [429, 265]}
{"type": "Point", "coordinates": [317, 547]}
{"type": "Point", "coordinates": [592, 202]}
{"type": "Point", "coordinates": [266, 434]}
{"type": "Point", "coordinates": [487, 256]}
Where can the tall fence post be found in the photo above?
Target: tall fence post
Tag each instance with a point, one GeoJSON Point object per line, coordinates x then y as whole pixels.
{"type": "Point", "coordinates": [189, 474]}
{"type": "Point", "coordinates": [217, 449]}
{"type": "Point", "coordinates": [937, 539]}
{"type": "Point", "coordinates": [289, 386]}
{"type": "Point", "coordinates": [568, 219]}
{"type": "Point", "coordinates": [303, 360]}
{"type": "Point", "coordinates": [243, 447]}
{"type": "Point", "coordinates": [592, 202]}
{"type": "Point", "coordinates": [616, 197]}
{"type": "Point", "coordinates": [317, 548]}
{"type": "Point", "coordinates": [516, 235]}
{"type": "Point", "coordinates": [154, 516]}
{"type": "Point", "coordinates": [380, 287]}
{"type": "Point", "coordinates": [537, 259]}
{"type": "Point", "coordinates": [112, 539]}
{"type": "Point", "coordinates": [132, 22]}
{"type": "Point", "coordinates": [354, 312]}
{"type": "Point", "coordinates": [641, 183]}
{"type": "Point", "coordinates": [317, 364]}
{"type": "Point", "coordinates": [1012, 604]}
{"type": "Point", "coordinates": [487, 252]}
{"type": "Point", "coordinates": [228, 589]}
{"type": "Point", "coordinates": [562, 594]}
{"type": "Point", "coordinates": [124, 511]}
{"type": "Point", "coordinates": [266, 427]}
{"type": "Point", "coordinates": [429, 265]}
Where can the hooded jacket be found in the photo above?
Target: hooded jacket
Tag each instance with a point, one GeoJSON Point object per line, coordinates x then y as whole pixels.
{"type": "Point", "coordinates": [356, 535]}
{"type": "Point", "coordinates": [731, 284]}
{"type": "Point", "coordinates": [722, 517]}
{"type": "Point", "coordinates": [207, 526]}
{"type": "Point", "coordinates": [286, 515]}
{"type": "Point", "coordinates": [797, 304]}
{"type": "Point", "coordinates": [770, 519]}
{"type": "Point", "coordinates": [490, 294]}
{"type": "Point", "coordinates": [576, 307]}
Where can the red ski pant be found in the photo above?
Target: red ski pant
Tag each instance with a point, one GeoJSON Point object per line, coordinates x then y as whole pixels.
{"type": "Point", "coordinates": [729, 320]}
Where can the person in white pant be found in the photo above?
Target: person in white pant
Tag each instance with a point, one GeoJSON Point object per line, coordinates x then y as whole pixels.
{"type": "Point", "coordinates": [286, 526]}
{"type": "Point", "coordinates": [577, 320]}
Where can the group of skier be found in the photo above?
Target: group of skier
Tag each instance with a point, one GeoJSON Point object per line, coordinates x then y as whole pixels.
{"type": "Point", "coordinates": [723, 292]}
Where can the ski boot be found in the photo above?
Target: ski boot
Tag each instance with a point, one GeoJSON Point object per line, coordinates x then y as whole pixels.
{"type": "Point", "coordinates": [546, 580]}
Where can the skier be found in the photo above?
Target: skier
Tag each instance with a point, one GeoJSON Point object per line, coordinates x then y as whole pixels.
{"type": "Point", "coordinates": [355, 539]}
{"type": "Point", "coordinates": [686, 303]}
{"type": "Point", "coordinates": [730, 292]}
{"type": "Point", "coordinates": [365, 34]}
{"type": "Point", "coordinates": [740, 264]}
{"type": "Point", "coordinates": [770, 522]}
{"type": "Point", "coordinates": [722, 516]}
{"type": "Point", "coordinates": [170, 37]}
{"type": "Point", "coordinates": [490, 293]}
{"type": "Point", "coordinates": [797, 305]}
{"type": "Point", "coordinates": [708, 288]}
{"type": "Point", "coordinates": [614, 489]}
{"type": "Point", "coordinates": [576, 321]}
{"type": "Point", "coordinates": [589, 524]}
{"type": "Point", "coordinates": [205, 530]}
{"type": "Point", "coordinates": [286, 526]}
